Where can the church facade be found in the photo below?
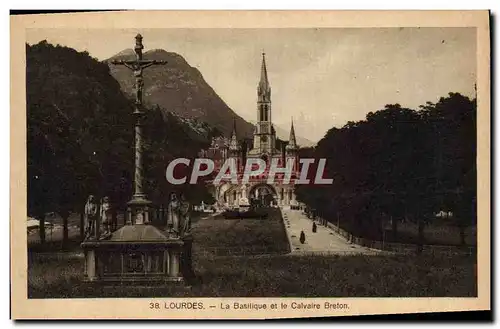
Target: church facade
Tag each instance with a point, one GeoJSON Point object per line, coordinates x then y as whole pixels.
{"type": "Point", "coordinates": [264, 145]}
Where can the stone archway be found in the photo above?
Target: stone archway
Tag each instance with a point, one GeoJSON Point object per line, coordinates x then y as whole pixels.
{"type": "Point", "coordinates": [221, 196]}
{"type": "Point", "coordinates": [262, 194]}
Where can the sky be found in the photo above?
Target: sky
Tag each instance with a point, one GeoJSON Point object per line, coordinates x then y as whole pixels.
{"type": "Point", "coordinates": [322, 78]}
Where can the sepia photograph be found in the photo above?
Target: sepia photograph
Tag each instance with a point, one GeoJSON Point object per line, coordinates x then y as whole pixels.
{"type": "Point", "coordinates": [255, 165]}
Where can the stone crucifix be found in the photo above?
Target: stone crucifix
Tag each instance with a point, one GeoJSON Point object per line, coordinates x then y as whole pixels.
{"type": "Point", "coordinates": [137, 66]}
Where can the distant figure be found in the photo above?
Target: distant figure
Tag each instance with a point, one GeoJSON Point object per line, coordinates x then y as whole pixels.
{"type": "Point", "coordinates": [90, 215]}
{"type": "Point", "coordinates": [173, 214]}
{"type": "Point", "coordinates": [106, 215]}
{"type": "Point", "coordinates": [184, 216]}
{"type": "Point", "coordinates": [315, 227]}
{"type": "Point", "coordinates": [302, 237]}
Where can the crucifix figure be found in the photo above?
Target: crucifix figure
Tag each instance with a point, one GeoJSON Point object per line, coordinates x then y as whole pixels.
{"type": "Point", "coordinates": [137, 66]}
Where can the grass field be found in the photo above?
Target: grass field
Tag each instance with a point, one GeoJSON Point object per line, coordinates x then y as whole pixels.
{"type": "Point", "coordinates": [219, 236]}
{"type": "Point", "coordinates": [56, 276]}
{"type": "Point", "coordinates": [222, 261]}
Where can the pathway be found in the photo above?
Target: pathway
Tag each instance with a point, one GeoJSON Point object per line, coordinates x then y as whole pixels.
{"type": "Point", "coordinates": [324, 241]}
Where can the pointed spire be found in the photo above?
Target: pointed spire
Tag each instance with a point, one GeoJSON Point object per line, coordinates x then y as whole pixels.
{"type": "Point", "coordinates": [233, 144]}
{"type": "Point", "coordinates": [234, 127]}
{"type": "Point", "coordinates": [263, 72]}
{"type": "Point", "coordinates": [292, 142]}
{"type": "Point", "coordinates": [264, 89]}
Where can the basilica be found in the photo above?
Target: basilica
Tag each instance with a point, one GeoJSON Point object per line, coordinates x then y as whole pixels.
{"type": "Point", "coordinates": [264, 145]}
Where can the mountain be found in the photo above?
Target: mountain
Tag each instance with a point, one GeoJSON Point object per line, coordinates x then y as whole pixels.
{"type": "Point", "coordinates": [179, 88]}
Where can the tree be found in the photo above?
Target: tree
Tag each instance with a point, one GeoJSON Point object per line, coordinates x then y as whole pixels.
{"type": "Point", "coordinates": [398, 163]}
{"type": "Point", "coordinates": [453, 122]}
{"type": "Point", "coordinates": [75, 116]}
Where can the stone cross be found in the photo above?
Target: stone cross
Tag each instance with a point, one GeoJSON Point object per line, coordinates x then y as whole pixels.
{"type": "Point", "coordinates": [137, 66]}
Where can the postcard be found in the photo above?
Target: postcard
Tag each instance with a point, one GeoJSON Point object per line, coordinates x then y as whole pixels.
{"type": "Point", "coordinates": [249, 164]}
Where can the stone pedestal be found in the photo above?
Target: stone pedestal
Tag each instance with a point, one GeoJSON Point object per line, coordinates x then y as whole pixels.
{"type": "Point", "coordinates": [90, 266]}
{"type": "Point", "coordinates": [138, 254]}
{"type": "Point", "coordinates": [174, 263]}
{"type": "Point", "coordinates": [186, 260]}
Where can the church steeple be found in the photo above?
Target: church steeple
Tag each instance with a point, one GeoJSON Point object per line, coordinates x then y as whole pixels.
{"type": "Point", "coordinates": [234, 128]}
{"type": "Point", "coordinates": [264, 89]}
{"type": "Point", "coordinates": [264, 137]}
{"type": "Point", "coordinates": [234, 147]}
{"type": "Point", "coordinates": [292, 142]}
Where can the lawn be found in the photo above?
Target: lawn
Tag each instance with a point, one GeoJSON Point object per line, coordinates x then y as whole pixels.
{"type": "Point", "coordinates": [223, 260]}
{"type": "Point", "coordinates": [219, 236]}
{"type": "Point", "coordinates": [56, 276]}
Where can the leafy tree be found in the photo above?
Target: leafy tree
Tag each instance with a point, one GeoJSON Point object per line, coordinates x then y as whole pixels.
{"type": "Point", "coordinates": [399, 164]}
{"type": "Point", "coordinates": [453, 123]}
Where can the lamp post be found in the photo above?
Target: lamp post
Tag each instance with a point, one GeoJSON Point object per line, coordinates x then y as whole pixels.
{"type": "Point", "coordinates": [139, 204]}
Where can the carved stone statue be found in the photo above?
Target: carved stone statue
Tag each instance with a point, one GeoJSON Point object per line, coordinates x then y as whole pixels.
{"type": "Point", "coordinates": [244, 191]}
{"type": "Point", "coordinates": [173, 214]}
{"type": "Point", "coordinates": [185, 216]}
{"type": "Point", "coordinates": [106, 215]}
{"type": "Point", "coordinates": [139, 219]}
{"type": "Point", "coordinates": [90, 215]}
